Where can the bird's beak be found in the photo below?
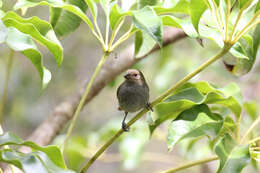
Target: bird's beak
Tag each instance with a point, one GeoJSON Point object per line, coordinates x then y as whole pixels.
{"type": "Point", "coordinates": [127, 76]}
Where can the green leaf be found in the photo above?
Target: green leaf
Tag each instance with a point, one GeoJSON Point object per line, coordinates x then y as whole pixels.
{"type": "Point", "coordinates": [38, 29]}
{"type": "Point", "coordinates": [244, 65]}
{"type": "Point", "coordinates": [233, 157]}
{"type": "Point", "coordinates": [93, 8]}
{"type": "Point", "coordinates": [194, 122]}
{"type": "Point", "coordinates": [251, 109]}
{"type": "Point", "coordinates": [147, 21]}
{"type": "Point", "coordinates": [182, 6]}
{"type": "Point", "coordinates": [144, 43]}
{"type": "Point", "coordinates": [185, 24]}
{"type": "Point", "coordinates": [143, 3]}
{"type": "Point", "coordinates": [116, 16]}
{"type": "Point", "coordinates": [229, 127]}
{"type": "Point", "coordinates": [257, 8]}
{"type": "Point", "coordinates": [45, 159]}
{"type": "Point", "coordinates": [171, 21]}
{"type": "Point", "coordinates": [23, 43]}
{"type": "Point", "coordinates": [197, 8]}
{"type": "Point", "coordinates": [65, 22]}
{"type": "Point", "coordinates": [191, 95]}
{"type": "Point", "coordinates": [242, 3]}
{"type": "Point", "coordinates": [3, 32]}
{"type": "Point", "coordinates": [56, 4]}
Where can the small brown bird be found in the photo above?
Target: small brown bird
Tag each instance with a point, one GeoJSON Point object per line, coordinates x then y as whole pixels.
{"type": "Point", "coordinates": [133, 94]}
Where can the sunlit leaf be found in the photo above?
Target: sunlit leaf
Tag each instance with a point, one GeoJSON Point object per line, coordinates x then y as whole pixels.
{"type": "Point", "coordinates": [197, 8]}
{"type": "Point", "coordinates": [92, 7]}
{"type": "Point", "coordinates": [56, 4]}
{"type": "Point", "coordinates": [144, 43]}
{"type": "Point", "coordinates": [23, 43]}
{"type": "Point", "coordinates": [116, 16]}
{"type": "Point", "coordinates": [184, 24]}
{"type": "Point", "coordinates": [233, 157]}
{"type": "Point", "coordinates": [182, 6]}
{"type": "Point", "coordinates": [194, 122]}
{"type": "Point", "coordinates": [147, 21]}
{"type": "Point", "coordinates": [38, 29]}
{"type": "Point", "coordinates": [65, 22]}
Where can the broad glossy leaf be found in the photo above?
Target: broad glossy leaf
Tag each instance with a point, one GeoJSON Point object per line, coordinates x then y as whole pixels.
{"type": "Point", "coordinates": [23, 43]}
{"type": "Point", "coordinates": [194, 122]}
{"type": "Point", "coordinates": [65, 22]}
{"type": "Point", "coordinates": [197, 8]}
{"type": "Point", "coordinates": [147, 21]}
{"type": "Point", "coordinates": [233, 157]}
{"type": "Point", "coordinates": [187, 97]}
{"type": "Point", "coordinates": [56, 4]}
{"type": "Point", "coordinates": [38, 29]}
{"type": "Point", "coordinates": [182, 6]}
{"type": "Point", "coordinates": [116, 16]}
{"type": "Point", "coordinates": [43, 159]}
{"type": "Point", "coordinates": [144, 43]}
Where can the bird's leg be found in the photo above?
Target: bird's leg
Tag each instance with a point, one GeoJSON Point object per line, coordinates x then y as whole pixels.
{"type": "Point", "coordinates": [149, 106]}
{"type": "Point", "coordinates": [124, 125]}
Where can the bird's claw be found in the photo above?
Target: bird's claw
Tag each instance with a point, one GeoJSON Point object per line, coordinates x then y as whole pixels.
{"type": "Point", "coordinates": [125, 127]}
{"type": "Point", "coordinates": [149, 107]}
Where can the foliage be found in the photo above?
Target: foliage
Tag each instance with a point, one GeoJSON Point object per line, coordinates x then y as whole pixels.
{"type": "Point", "coordinates": [191, 107]}
{"type": "Point", "coordinates": [43, 159]}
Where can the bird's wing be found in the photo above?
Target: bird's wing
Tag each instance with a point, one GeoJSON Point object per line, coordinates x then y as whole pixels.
{"type": "Point", "coordinates": [118, 89]}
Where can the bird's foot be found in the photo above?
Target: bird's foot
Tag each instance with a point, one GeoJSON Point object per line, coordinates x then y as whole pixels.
{"type": "Point", "coordinates": [149, 107]}
{"type": "Point", "coordinates": [125, 127]}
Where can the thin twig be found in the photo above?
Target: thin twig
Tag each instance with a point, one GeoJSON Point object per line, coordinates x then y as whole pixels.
{"type": "Point", "coordinates": [7, 78]}
{"type": "Point", "coordinates": [250, 129]}
{"type": "Point", "coordinates": [83, 98]}
{"type": "Point", "coordinates": [191, 164]}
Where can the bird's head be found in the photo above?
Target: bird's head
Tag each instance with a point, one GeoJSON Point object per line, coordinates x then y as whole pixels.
{"type": "Point", "coordinates": [134, 76]}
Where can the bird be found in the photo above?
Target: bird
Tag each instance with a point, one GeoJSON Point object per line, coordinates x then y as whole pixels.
{"type": "Point", "coordinates": [133, 94]}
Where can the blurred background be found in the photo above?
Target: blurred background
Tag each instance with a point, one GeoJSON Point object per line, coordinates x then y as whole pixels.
{"type": "Point", "coordinates": [27, 105]}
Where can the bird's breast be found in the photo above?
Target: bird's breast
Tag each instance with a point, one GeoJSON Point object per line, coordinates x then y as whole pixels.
{"type": "Point", "coordinates": [133, 97]}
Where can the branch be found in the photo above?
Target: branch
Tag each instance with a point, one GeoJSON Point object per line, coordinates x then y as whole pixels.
{"type": "Point", "coordinates": [62, 113]}
{"type": "Point", "coordinates": [159, 99]}
{"type": "Point", "coordinates": [191, 164]}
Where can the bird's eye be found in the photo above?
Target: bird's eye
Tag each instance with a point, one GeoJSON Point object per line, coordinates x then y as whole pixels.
{"type": "Point", "coordinates": [135, 75]}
